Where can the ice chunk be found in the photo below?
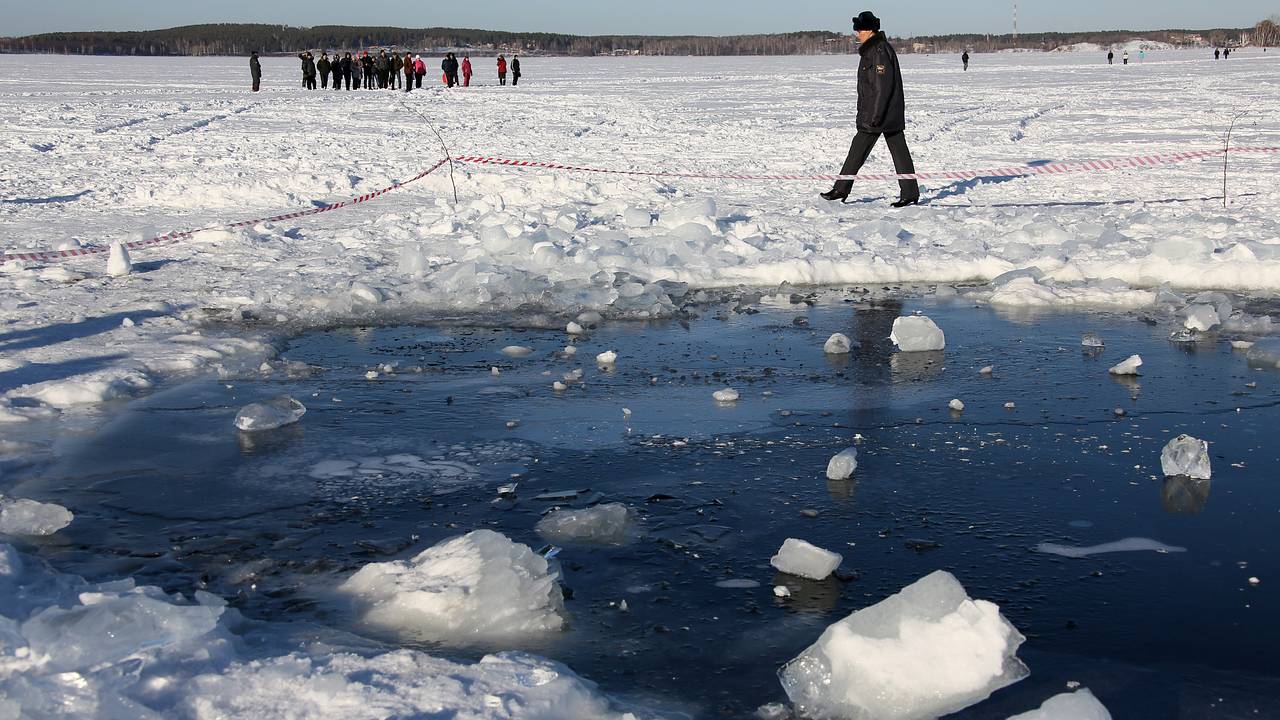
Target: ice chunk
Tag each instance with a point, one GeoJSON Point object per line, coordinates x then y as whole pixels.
{"type": "Point", "coordinates": [928, 651]}
{"type": "Point", "coordinates": [609, 524]}
{"type": "Point", "coordinates": [517, 351]}
{"type": "Point", "coordinates": [364, 292]}
{"type": "Point", "coordinates": [842, 465]}
{"type": "Point", "coordinates": [917, 333]}
{"type": "Point", "coordinates": [118, 263]}
{"type": "Point", "coordinates": [412, 260]}
{"type": "Point", "coordinates": [1185, 455]}
{"type": "Point", "coordinates": [1134, 544]}
{"type": "Point", "coordinates": [608, 357]}
{"type": "Point", "coordinates": [797, 557]}
{"type": "Point", "coordinates": [31, 518]}
{"type": "Point", "coordinates": [634, 217]}
{"type": "Point", "coordinates": [574, 328]}
{"type": "Point", "coordinates": [727, 395]}
{"type": "Point", "coordinates": [1091, 340]}
{"type": "Point", "coordinates": [837, 344]}
{"type": "Point", "coordinates": [480, 586]}
{"type": "Point", "coordinates": [1202, 318]}
{"type": "Point", "coordinates": [1078, 705]}
{"type": "Point", "coordinates": [1128, 367]}
{"type": "Point", "coordinates": [274, 413]}
{"type": "Point", "coordinates": [957, 405]}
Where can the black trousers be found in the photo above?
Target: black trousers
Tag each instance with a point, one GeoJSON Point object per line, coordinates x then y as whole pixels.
{"type": "Point", "coordinates": [861, 147]}
{"type": "Point", "coordinates": [257, 83]}
{"type": "Point", "coordinates": [324, 81]}
{"type": "Point", "coordinates": [453, 79]}
{"type": "Point", "coordinates": [417, 80]}
{"type": "Point", "coordinates": [502, 78]}
{"type": "Point", "coordinates": [515, 78]}
{"type": "Point", "coordinates": [408, 81]}
{"type": "Point", "coordinates": [309, 82]}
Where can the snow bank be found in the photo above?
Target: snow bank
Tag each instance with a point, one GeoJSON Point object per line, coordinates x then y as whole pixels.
{"type": "Point", "coordinates": [477, 587]}
{"type": "Point", "coordinates": [610, 524]}
{"type": "Point", "coordinates": [928, 651]}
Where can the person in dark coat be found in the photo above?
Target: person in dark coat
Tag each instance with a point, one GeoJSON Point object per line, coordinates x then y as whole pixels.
{"type": "Point", "coordinates": [380, 66]}
{"type": "Point", "coordinates": [1226, 53]}
{"type": "Point", "coordinates": [1217, 54]}
{"type": "Point", "coordinates": [308, 71]}
{"type": "Point", "coordinates": [965, 59]}
{"type": "Point", "coordinates": [881, 111]}
{"type": "Point", "coordinates": [255, 70]}
{"type": "Point", "coordinates": [344, 70]}
{"type": "Point", "coordinates": [1111, 57]}
{"type": "Point", "coordinates": [450, 67]}
{"type": "Point", "coordinates": [515, 69]}
{"type": "Point", "coordinates": [407, 66]}
{"type": "Point", "coordinates": [323, 67]}
{"type": "Point", "coordinates": [366, 63]}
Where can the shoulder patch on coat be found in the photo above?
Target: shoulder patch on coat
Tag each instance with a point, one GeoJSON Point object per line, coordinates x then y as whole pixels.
{"type": "Point", "coordinates": [879, 69]}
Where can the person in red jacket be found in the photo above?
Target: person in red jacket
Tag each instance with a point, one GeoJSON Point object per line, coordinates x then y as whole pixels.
{"type": "Point", "coordinates": [502, 70]}
{"type": "Point", "coordinates": [419, 69]}
{"type": "Point", "coordinates": [466, 71]}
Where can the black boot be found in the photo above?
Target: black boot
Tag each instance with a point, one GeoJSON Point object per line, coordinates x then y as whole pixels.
{"type": "Point", "coordinates": [840, 191]}
{"type": "Point", "coordinates": [903, 202]}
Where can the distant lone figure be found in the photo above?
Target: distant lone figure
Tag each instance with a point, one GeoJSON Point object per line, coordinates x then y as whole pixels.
{"type": "Point", "coordinates": [1111, 57]}
{"type": "Point", "coordinates": [1226, 53]}
{"type": "Point", "coordinates": [466, 71]}
{"type": "Point", "coordinates": [965, 59]}
{"type": "Point", "coordinates": [515, 69]}
{"type": "Point", "coordinates": [255, 70]}
{"type": "Point", "coordinates": [1125, 57]}
{"type": "Point", "coordinates": [881, 111]}
{"type": "Point", "coordinates": [1217, 54]}
{"type": "Point", "coordinates": [502, 70]}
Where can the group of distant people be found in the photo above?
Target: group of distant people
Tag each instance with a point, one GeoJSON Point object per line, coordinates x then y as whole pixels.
{"type": "Point", "coordinates": [383, 71]}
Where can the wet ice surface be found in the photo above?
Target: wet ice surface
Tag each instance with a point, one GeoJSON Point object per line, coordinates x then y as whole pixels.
{"type": "Point", "coordinates": [379, 470]}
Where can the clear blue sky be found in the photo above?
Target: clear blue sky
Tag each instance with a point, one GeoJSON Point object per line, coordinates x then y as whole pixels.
{"type": "Point", "coordinates": [656, 17]}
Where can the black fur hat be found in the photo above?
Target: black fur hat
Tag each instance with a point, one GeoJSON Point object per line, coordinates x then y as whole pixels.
{"type": "Point", "coordinates": [866, 20]}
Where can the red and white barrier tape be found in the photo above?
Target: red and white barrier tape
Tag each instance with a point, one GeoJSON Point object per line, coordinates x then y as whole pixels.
{"type": "Point", "coordinates": [176, 236]}
{"type": "Point", "coordinates": [1139, 161]}
{"type": "Point", "coordinates": [1006, 172]}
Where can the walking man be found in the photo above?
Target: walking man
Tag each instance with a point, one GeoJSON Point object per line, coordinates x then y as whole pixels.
{"type": "Point", "coordinates": [255, 70]}
{"type": "Point", "coordinates": [965, 59]}
{"type": "Point", "coordinates": [881, 111]}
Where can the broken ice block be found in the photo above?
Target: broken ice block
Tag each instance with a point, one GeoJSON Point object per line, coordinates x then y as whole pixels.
{"type": "Point", "coordinates": [28, 517]}
{"type": "Point", "coordinates": [1078, 705]}
{"type": "Point", "coordinates": [957, 405]}
{"type": "Point", "coordinates": [1128, 367]}
{"type": "Point", "coordinates": [517, 351]}
{"type": "Point", "coordinates": [1185, 455]}
{"type": "Point", "coordinates": [480, 586]}
{"type": "Point", "coordinates": [1091, 340]}
{"type": "Point", "coordinates": [837, 344]}
{"type": "Point", "coordinates": [727, 395]}
{"type": "Point", "coordinates": [928, 651]}
{"type": "Point", "coordinates": [604, 524]}
{"type": "Point", "coordinates": [917, 333]}
{"type": "Point", "coordinates": [1202, 318]}
{"type": "Point", "coordinates": [841, 466]}
{"type": "Point", "coordinates": [270, 415]}
{"type": "Point", "coordinates": [797, 557]}
{"type": "Point", "coordinates": [608, 357]}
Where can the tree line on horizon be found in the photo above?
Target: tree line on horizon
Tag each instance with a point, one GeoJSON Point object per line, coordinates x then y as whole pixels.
{"type": "Point", "coordinates": [240, 39]}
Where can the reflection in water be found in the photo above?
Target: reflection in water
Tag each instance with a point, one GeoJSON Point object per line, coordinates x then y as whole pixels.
{"type": "Point", "coordinates": [1182, 495]}
{"type": "Point", "coordinates": [811, 596]}
{"type": "Point", "coordinates": [842, 490]}
{"type": "Point", "coordinates": [1130, 383]}
{"type": "Point", "coordinates": [916, 366]}
{"type": "Point", "coordinates": [258, 443]}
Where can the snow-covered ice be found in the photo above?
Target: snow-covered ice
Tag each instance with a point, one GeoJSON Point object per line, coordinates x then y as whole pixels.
{"type": "Point", "coordinates": [837, 344]}
{"type": "Point", "coordinates": [1128, 366]}
{"type": "Point", "coordinates": [32, 518]}
{"type": "Point", "coordinates": [608, 524]}
{"type": "Point", "coordinates": [478, 586]}
{"type": "Point", "coordinates": [917, 333]}
{"type": "Point", "coordinates": [927, 651]}
{"type": "Point", "coordinates": [274, 413]}
{"type": "Point", "coordinates": [1078, 705]}
{"type": "Point", "coordinates": [797, 557]}
{"type": "Point", "coordinates": [1185, 455]}
{"type": "Point", "coordinates": [842, 464]}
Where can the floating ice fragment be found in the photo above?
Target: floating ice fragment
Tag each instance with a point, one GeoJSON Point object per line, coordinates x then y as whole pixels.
{"type": "Point", "coordinates": [269, 415]}
{"type": "Point", "coordinates": [781, 591]}
{"type": "Point", "coordinates": [570, 350]}
{"type": "Point", "coordinates": [928, 651]}
{"type": "Point", "coordinates": [1091, 340]}
{"type": "Point", "coordinates": [118, 262]}
{"type": "Point", "coordinates": [517, 351]}
{"type": "Point", "coordinates": [738, 584]}
{"type": "Point", "coordinates": [31, 518]}
{"type": "Point", "coordinates": [989, 369]}
{"type": "Point", "coordinates": [1201, 318]}
{"type": "Point", "coordinates": [371, 375]}
{"type": "Point", "coordinates": [574, 328]}
{"type": "Point", "coordinates": [837, 344]}
{"type": "Point", "coordinates": [1241, 344]}
{"type": "Point", "coordinates": [590, 318]}
{"type": "Point", "coordinates": [608, 357]}
{"type": "Point", "coordinates": [127, 322]}
{"type": "Point", "coordinates": [1185, 455]}
{"type": "Point", "coordinates": [917, 333]}
{"type": "Point", "coordinates": [797, 557]}
{"type": "Point", "coordinates": [727, 395]}
{"type": "Point", "coordinates": [1128, 367]}
{"type": "Point", "coordinates": [1078, 705]}
{"type": "Point", "coordinates": [559, 386]}
{"type": "Point", "coordinates": [480, 586]}
{"type": "Point", "coordinates": [1126, 545]}
{"type": "Point", "coordinates": [842, 465]}
{"type": "Point", "coordinates": [956, 405]}
{"type": "Point", "coordinates": [609, 524]}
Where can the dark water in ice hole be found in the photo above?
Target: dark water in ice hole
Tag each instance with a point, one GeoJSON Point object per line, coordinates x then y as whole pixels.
{"type": "Point", "coordinates": [169, 494]}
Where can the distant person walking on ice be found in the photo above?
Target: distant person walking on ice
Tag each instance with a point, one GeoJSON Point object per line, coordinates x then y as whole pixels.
{"type": "Point", "coordinates": [881, 111]}
{"type": "Point", "coordinates": [1226, 53]}
{"type": "Point", "coordinates": [515, 69]}
{"type": "Point", "coordinates": [466, 71]}
{"type": "Point", "coordinates": [1125, 58]}
{"type": "Point", "coordinates": [255, 70]}
{"type": "Point", "coordinates": [1217, 54]}
{"type": "Point", "coordinates": [965, 59]}
{"type": "Point", "coordinates": [1111, 57]}
{"type": "Point", "coordinates": [502, 70]}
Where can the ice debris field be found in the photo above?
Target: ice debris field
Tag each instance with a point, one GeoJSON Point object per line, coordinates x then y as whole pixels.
{"type": "Point", "coordinates": [719, 446]}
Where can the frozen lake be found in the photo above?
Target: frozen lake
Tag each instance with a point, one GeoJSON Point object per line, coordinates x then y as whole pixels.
{"type": "Point", "coordinates": [118, 392]}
